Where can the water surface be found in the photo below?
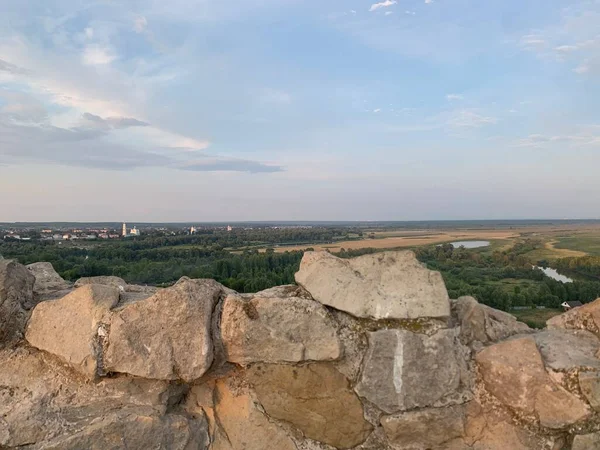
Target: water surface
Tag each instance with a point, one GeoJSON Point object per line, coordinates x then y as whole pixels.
{"type": "Point", "coordinates": [470, 244]}
{"type": "Point", "coordinates": [552, 273]}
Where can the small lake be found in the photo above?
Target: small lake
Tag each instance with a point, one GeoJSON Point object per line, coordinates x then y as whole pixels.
{"type": "Point", "coordinates": [470, 244]}
{"type": "Point", "coordinates": [552, 273]}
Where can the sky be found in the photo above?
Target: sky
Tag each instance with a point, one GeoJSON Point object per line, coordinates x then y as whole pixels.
{"type": "Point", "coordinates": [205, 110]}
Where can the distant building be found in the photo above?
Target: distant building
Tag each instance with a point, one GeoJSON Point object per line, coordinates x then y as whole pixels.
{"type": "Point", "coordinates": [229, 228]}
{"type": "Point", "coordinates": [124, 233]}
{"type": "Point", "coordinates": [570, 305]}
{"type": "Point", "coordinates": [135, 232]}
{"type": "Point", "coordinates": [193, 230]}
{"type": "Point", "coordinates": [66, 237]}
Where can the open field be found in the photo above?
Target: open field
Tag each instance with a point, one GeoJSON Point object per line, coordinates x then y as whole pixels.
{"type": "Point", "coordinates": [536, 318]}
{"type": "Point", "coordinates": [587, 241]}
{"type": "Point", "coordinates": [414, 239]}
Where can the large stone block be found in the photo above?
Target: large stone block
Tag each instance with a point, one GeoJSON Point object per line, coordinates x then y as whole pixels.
{"type": "Point", "coordinates": [315, 398]}
{"type": "Point", "coordinates": [72, 327]}
{"type": "Point", "coordinates": [513, 371]}
{"type": "Point", "coordinates": [389, 285]}
{"type": "Point", "coordinates": [48, 283]}
{"type": "Point", "coordinates": [586, 442]}
{"type": "Point", "coordinates": [480, 323]}
{"type": "Point", "coordinates": [242, 426]}
{"type": "Point", "coordinates": [424, 429]}
{"type": "Point", "coordinates": [271, 329]}
{"type": "Point", "coordinates": [565, 350]}
{"type": "Point", "coordinates": [16, 296]}
{"type": "Point", "coordinates": [166, 336]}
{"type": "Point", "coordinates": [405, 370]}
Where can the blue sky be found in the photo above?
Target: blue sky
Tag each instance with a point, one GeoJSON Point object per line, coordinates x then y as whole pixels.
{"type": "Point", "coordinates": [299, 110]}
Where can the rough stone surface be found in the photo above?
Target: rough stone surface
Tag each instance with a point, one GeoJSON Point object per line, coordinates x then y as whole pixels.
{"type": "Point", "coordinates": [104, 280]}
{"type": "Point", "coordinates": [589, 383]}
{"type": "Point", "coordinates": [166, 336]}
{"type": "Point", "coordinates": [72, 327]}
{"type": "Point", "coordinates": [315, 398]}
{"type": "Point", "coordinates": [242, 425]}
{"type": "Point", "coordinates": [271, 329]}
{"type": "Point", "coordinates": [566, 350]}
{"type": "Point", "coordinates": [135, 428]}
{"type": "Point", "coordinates": [43, 401]}
{"type": "Point", "coordinates": [586, 442]}
{"type": "Point", "coordinates": [405, 370]}
{"type": "Point", "coordinates": [16, 296]}
{"type": "Point", "coordinates": [586, 317]}
{"type": "Point", "coordinates": [480, 323]}
{"type": "Point", "coordinates": [513, 371]}
{"type": "Point", "coordinates": [426, 428]}
{"type": "Point", "coordinates": [48, 283]}
{"type": "Point", "coordinates": [389, 285]}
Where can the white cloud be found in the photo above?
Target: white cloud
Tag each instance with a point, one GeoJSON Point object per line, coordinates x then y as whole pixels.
{"type": "Point", "coordinates": [410, 13]}
{"type": "Point", "coordinates": [98, 56]}
{"type": "Point", "coordinates": [89, 32]}
{"type": "Point", "coordinates": [451, 97]}
{"type": "Point", "coordinates": [140, 24]}
{"type": "Point", "coordinates": [428, 2]}
{"type": "Point", "coordinates": [377, 110]}
{"type": "Point", "coordinates": [352, 11]}
{"type": "Point", "coordinates": [388, 13]}
{"type": "Point", "coordinates": [384, 4]}
{"type": "Point", "coordinates": [469, 118]}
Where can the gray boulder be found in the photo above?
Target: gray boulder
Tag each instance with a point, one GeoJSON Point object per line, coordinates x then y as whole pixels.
{"type": "Point", "coordinates": [166, 336]}
{"type": "Point", "coordinates": [271, 329]}
{"type": "Point", "coordinates": [480, 323]}
{"type": "Point", "coordinates": [389, 285]}
{"type": "Point", "coordinates": [16, 297]}
{"type": "Point", "coordinates": [48, 283]}
{"type": "Point", "coordinates": [74, 327]}
{"type": "Point", "coordinates": [405, 370]}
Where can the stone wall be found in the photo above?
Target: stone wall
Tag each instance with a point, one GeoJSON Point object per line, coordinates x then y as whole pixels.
{"type": "Point", "coordinates": [368, 353]}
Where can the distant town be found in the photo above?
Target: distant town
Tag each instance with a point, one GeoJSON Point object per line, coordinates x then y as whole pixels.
{"type": "Point", "coordinates": [93, 232]}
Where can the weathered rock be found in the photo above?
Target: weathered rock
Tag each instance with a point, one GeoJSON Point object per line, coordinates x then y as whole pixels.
{"type": "Point", "coordinates": [566, 350]}
{"type": "Point", "coordinates": [586, 317]}
{"type": "Point", "coordinates": [389, 285]}
{"type": "Point", "coordinates": [242, 425]}
{"type": "Point", "coordinates": [271, 329]}
{"type": "Point", "coordinates": [16, 296]}
{"type": "Point", "coordinates": [426, 428]}
{"type": "Point", "coordinates": [513, 371]}
{"type": "Point", "coordinates": [41, 399]}
{"type": "Point", "coordinates": [47, 281]}
{"type": "Point", "coordinates": [586, 442]}
{"type": "Point", "coordinates": [166, 336]}
{"type": "Point", "coordinates": [405, 370]}
{"type": "Point", "coordinates": [490, 428]}
{"type": "Point", "coordinates": [480, 323]}
{"type": "Point", "coordinates": [135, 428]}
{"type": "Point", "coordinates": [315, 398]}
{"type": "Point", "coordinates": [285, 291]}
{"type": "Point", "coordinates": [73, 327]}
{"type": "Point", "coordinates": [103, 280]}
{"type": "Point", "coordinates": [589, 383]}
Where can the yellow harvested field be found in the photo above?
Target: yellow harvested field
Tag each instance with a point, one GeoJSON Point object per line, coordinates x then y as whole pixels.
{"type": "Point", "coordinates": [563, 252]}
{"type": "Point", "coordinates": [411, 239]}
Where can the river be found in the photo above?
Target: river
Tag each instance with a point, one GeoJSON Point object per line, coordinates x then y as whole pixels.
{"type": "Point", "coordinates": [552, 273]}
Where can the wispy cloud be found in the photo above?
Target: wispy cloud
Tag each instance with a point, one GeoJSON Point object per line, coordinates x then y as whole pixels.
{"type": "Point", "coordinates": [98, 56]}
{"type": "Point", "coordinates": [140, 24]}
{"type": "Point", "coordinates": [469, 118]}
{"type": "Point", "coordinates": [384, 4]}
{"type": "Point", "coordinates": [452, 97]}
